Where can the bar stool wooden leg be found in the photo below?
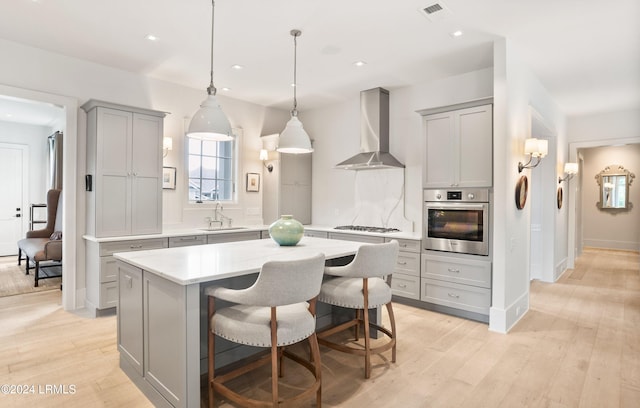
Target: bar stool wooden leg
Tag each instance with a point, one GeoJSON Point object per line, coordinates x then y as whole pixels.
{"type": "Point", "coordinates": [315, 352]}
{"type": "Point", "coordinates": [392, 322]}
{"type": "Point", "coordinates": [367, 339]}
{"type": "Point", "coordinates": [274, 358]}
{"type": "Point", "coordinates": [212, 345]}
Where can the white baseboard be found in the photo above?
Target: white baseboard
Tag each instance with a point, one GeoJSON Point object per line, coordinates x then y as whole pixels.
{"type": "Point", "coordinates": [503, 320]}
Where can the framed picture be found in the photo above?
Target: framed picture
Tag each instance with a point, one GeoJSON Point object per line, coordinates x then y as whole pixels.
{"type": "Point", "coordinates": [169, 178]}
{"type": "Point", "coordinates": [253, 182]}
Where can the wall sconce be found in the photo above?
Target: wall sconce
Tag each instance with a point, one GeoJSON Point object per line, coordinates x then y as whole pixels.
{"type": "Point", "coordinates": [570, 169]}
{"type": "Point", "coordinates": [264, 155]}
{"type": "Point", "coordinates": [167, 144]}
{"type": "Point", "coordinates": [537, 148]}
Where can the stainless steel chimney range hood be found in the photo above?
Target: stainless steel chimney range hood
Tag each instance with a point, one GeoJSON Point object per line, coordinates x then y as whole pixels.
{"type": "Point", "coordinates": [374, 134]}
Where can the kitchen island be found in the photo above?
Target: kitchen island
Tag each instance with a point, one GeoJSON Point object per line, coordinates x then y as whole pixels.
{"type": "Point", "coordinates": [162, 316]}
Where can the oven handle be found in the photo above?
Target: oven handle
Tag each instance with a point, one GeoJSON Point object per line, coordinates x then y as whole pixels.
{"type": "Point", "coordinates": [449, 206]}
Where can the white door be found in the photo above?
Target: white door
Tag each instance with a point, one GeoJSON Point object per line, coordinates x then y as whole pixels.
{"type": "Point", "coordinates": [13, 160]}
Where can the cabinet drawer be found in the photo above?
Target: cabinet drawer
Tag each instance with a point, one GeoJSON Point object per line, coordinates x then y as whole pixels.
{"type": "Point", "coordinates": [108, 269]}
{"type": "Point", "coordinates": [316, 234]}
{"type": "Point", "coordinates": [462, 297]}
{"type": "Point", "coordinates": [232, 237]}
{"type": "Point", "coordinates": [187, 241]}
{"type": "Point", "coordinates": [406, 286]}
{"type": "Point", "coordinates": [408, 245]}
{"type": "Point", "coordinates": [358, 238]}
{"type": "Point", "coordinates": [464, 271]}
{"type": "Point", "coordinates": [408, 263]}
{"type": "Point", "coordinates": [108, 295]}
{"type": "Point", "coordinates": [110, 248]}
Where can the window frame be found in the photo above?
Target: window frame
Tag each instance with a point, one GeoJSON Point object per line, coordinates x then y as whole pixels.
{"type": "Point", "coordinates": [235, 160]}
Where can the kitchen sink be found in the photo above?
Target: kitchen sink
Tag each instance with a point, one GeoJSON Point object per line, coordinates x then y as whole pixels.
{"type": "Point", "coordinates": [223, 229]}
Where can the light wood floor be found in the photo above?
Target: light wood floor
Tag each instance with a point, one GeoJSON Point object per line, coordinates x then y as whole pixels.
{"type": "Point", "coordinates": [578, 346]}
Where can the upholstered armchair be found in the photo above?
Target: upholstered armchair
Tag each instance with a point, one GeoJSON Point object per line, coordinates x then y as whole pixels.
{"type": "Point", "coordinates": [44, 244]}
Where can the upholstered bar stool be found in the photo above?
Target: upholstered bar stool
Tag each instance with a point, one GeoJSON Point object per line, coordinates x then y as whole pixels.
{"type": "Point", "coordinates": [278, 310]}
{"type": "Point", "coordinates": [360, 285]}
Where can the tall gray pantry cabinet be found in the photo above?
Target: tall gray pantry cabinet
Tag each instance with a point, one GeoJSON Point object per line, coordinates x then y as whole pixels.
{"type": "Point", "coordinates": [124, 191]}
{"type": "Point", "coordinates": [124, 159]}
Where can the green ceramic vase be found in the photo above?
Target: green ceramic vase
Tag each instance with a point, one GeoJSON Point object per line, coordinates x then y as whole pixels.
{"type": "Point", "coordinates": [286, 231]}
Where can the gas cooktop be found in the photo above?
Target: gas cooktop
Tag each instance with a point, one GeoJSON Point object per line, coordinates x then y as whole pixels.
{"type": "Point", "coordinates": [366, 229]}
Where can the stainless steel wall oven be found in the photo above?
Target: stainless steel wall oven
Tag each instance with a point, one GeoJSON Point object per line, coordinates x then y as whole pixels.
{"type": "Point", "coordinates": [456, 221]}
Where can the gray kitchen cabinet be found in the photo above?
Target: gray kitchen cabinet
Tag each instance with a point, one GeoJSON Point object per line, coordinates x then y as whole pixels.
{"type": "Point", "coordinates": [462, 297]}
{"type": "Point", "coordinates": [164, 307]}
{"type": "Point", "coordinates": [405, 281]}
{"type": "Point", "coordinates": [287, 190]}
{"type": "Point", "coordinates": [371, 239]}
{"type": "Point", "coordinates": [459, 148]}
{"type": "Point", "coordinates": [233, 236]}
{"type": "Point", "coordinates": [457, 282]}
{"type": "Point", "coordinates": [316, 234]}
{"type": "Point", "coordinates": [130, 328]}
{"type": "Point", "coordinates": [187, 240]}
{"type": "Point", "coordinates": [124, 163]}
{"type": "Point", "coordinates": [102, 272]}
{"type": "Point", "coordinates": [295, 186]}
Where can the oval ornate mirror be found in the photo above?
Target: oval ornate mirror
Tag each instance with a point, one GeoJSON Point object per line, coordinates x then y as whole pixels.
{"type": "Point", "coordinates": [614, 182]}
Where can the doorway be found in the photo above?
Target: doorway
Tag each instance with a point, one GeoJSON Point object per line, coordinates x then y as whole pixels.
{"type": "Point", "coordinates": [70, 299]}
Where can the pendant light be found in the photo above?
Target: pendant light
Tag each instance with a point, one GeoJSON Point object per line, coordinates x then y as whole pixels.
{"type": "Point", "coordinates": [293, 138]}
{"type": "Point", "coordinates": [210, 122]}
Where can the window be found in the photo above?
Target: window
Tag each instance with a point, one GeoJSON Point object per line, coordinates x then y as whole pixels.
{"type": "Point", "coordinates": [211, 175]}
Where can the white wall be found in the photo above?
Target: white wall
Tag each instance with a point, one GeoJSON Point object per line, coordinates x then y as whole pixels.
{"type": "Point", "coordinates": [516, 90]}
{"type": "Point", "coordinates": [615, 229]}
{"type": "Point", "coordinates": [33, 69]}
{"type": "Point", "coordinates": [35, 137]}
{"type": "Point", "coordinates": [376, 197]}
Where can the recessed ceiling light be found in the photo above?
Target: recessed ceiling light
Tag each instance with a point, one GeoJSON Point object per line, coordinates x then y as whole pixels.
{"type": "Point", "coordinates": [9, 115]}
{"type": "Point", "coordinates": [151, 37]}
{"type": "Point", "coordinates": [226, 89]}
{"type": "Point", "coordinates": [359, 63]}
{"type": "Point", "coordinates": [237, 67]}
{"type": "Point", "coordinates": [456, 34]}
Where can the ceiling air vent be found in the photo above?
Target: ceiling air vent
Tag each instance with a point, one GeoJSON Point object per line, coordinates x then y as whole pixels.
{"type": "Point", "coordinates": [433, 8]}
{"type": "Point", "coordinates": [436, 11]}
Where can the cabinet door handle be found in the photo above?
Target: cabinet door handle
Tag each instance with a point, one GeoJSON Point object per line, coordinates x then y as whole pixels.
{"type": "Point", "coordinates": [135, 246]}
{"type": "Point", "coordinates": [189, 239]}
{"type": "Point", "coordinates": [453, 295]}
{"type": "Point", "coordinates": [129, 280]}
{"type": "Point", "coordinates": [401, 263]}
{"type": "Point", "coordinates": [403, 286]}
{"type": "Point", "coordinates": [453, 270]}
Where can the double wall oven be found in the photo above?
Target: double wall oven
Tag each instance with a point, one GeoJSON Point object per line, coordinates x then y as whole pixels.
{"type": "Point", "coordinates": [456, 221]}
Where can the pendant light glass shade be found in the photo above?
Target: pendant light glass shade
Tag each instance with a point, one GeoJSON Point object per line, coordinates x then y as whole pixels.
{"type": "Point", "coordinates": [293, 138]}
{"type": "Point", "coordinates": [210, 122]}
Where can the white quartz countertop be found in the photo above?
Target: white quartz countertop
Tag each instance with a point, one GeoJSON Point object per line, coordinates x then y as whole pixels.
{"type": "Point", "coordinates": [204, 263]}
{"type": "Point", "coordinates": [398, 235]}
{"type": "Point", "coordinates": [168, 233]}
{"type": "Point", "coordinates": [181, 232]}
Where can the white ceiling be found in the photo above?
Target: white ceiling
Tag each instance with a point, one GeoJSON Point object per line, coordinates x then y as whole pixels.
{"type": "Point", "coordinates": [585, 52]}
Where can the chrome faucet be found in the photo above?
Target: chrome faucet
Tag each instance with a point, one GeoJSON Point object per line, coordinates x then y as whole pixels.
{"type": "Point", "coordinates": [218, 217]}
